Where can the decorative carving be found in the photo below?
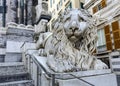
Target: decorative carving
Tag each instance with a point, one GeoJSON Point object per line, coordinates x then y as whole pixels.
{"type": "Point", "coordinates": [11, 24]}
{"type": "Point", "coordinates": [71, 44]}
{"type": "Point", "coordinates": [41, 9]}
{"type": "Point", "coordinates": [29, 27]}
{"type": "Point", "coordinates": [41, 27]}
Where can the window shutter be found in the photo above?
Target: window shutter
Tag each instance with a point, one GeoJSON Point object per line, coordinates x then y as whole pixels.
{"type": "Point", "coordinates": [109, 46]}
{"type": "Point", "coordinates": [94, 9]}
{"type": "Point", "coordinates": [103, 3]}
{"type": "Point", "coordinates": [108, 37]}
{"type": "Point", "coordinates": [117, 44]}
{"type": "Point", "coordinates": [107, 29]}
{"type": "Point", "coordinates": [115, 26]}
{"type": "Point", "coordinates": [116, 34]}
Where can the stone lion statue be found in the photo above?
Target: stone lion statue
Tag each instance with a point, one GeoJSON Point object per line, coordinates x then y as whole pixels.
{"type": "Point", "coordinates": [70, 45]}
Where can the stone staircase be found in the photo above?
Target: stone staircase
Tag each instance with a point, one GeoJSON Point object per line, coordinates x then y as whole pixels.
{"type": "Point", "coordinates": [14, 74]}
{"type": "Point", "coordinates": [12, 70]}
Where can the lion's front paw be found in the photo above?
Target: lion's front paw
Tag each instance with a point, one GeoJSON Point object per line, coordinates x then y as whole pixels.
{"type": "Point", "coordinates": [68, 66]}
{"type": "Point", "coordinates": [98, 65]}
{"type": "Point", "coordinates": [41, 52]}
{"type": "Point", "coordinates": [58, 65]}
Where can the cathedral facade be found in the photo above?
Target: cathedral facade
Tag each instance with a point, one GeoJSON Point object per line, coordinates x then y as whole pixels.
{"type": "Point", "coordinates": [18, 11]}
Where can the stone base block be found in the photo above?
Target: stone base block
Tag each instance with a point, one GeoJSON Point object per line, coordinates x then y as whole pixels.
{"type": "Point", "coordinates": [2, 57]}
{"type": "Point", "coordinates": [13, 57]}
{"type": "Point", "coordinates": [82, 78]}
{"type": "Point", "coordinates": [100, 80]}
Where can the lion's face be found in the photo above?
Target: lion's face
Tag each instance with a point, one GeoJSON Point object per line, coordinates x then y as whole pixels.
{"type": "Point", "coordinates": [74, 25]}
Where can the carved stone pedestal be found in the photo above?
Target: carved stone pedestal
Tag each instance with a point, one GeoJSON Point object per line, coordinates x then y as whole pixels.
{"type": "Point", "coordinates": [81, 78]}
{"type": "Point", "coordinates": [15, 39]}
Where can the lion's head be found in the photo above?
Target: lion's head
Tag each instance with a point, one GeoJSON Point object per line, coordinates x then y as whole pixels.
{"type": "Point", "coordinates": [79, 27]}
{"type": "Point", "coordinates": [75, 23]}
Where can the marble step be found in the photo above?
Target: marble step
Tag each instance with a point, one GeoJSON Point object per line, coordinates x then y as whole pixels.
{"type": "Point", "coordinates": [18, 83]}
{"type": "Point", "coordinates": [15, 77]}
{"type": "Point", "coordinates": [15, 71]}
{"type": "Point", "coordinates": [11, 68]}
{"type": "Point", "coordinates": [118, 80]}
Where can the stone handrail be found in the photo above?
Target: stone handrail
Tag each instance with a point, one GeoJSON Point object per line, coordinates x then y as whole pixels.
{"type": "Point", "coordinates": [53, 75]}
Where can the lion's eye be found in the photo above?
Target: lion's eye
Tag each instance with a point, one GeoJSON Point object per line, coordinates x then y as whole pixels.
{"type": "Point", "coordinates": [68, 18]}
{"type": "Point", "coordinates": [81, 19]}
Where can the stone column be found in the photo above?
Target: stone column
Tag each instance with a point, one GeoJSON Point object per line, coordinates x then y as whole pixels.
{"type": "Point", "coordinates": [29, 12]}
{"type": "Point", "coordinates": [1, 14]}
{"type": "Point", "coordinates": [25, 13]}
{"type": "Point", "coordinates": [11, 14]}
{"type": "Point", "coordinates": [18, 12]}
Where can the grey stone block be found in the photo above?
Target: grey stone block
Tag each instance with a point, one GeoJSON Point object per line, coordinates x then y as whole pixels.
{"type": "Point", "coordinates": [13, 57]}
{"type": "Point", "coordinates": [2, 58]}
{"type": "Point", "coordinates": [19, 38]}
{"type": "Point", "coordinates": [13, 47]}
{"type": "Point", "coordinates": [2, 41]}
{"type": "Point", "coordinates": [20, 32]}
{"type": "Point", "coordinates": [21, 35]}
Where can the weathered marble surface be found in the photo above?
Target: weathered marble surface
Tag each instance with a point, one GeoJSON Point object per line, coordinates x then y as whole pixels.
{"type": "Point", "coordinates": [13, 57]}
{"type": "Point", "coordinates": [20, 34]}
{"type": "Point", "coordinates": [41, 9]}
{"type": "Point", "coordinates": [81, 78]}
{"type": "Point", "coordinates": [8, 69]}
{"type": "Point", "coordinates": [2, 54]}
{"type": "Point", "coordinates": [70, 45]}
{"type": "Point", "coordinates": [13, 52]}
{"type": "Point", "coordinates": [18, 83]}
{"type": "Point", "coordinates": [16, 35]}
{"type": "Point", "coordinates": [2, 58]}
{"type": "Point", "coordinates": [1, 23]}
{"type": "Point", "coordinates": [2, 40]}
{"type": "Point", "coordinates": [11, 14]}
{"type": "Point", "coordinates": [13, 46]}
{"type": "Point", "coordinates": [41, 27]}
{"type": "Point", "coordinates": [29, 12]}
{"type": "Point", "coordinates": [101, 80]}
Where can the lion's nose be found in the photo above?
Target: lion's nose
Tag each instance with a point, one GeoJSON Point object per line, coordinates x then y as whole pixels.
{"type": "Point", "coordinates": [74, 23]}
{"type": "Point", "coordinates": [73, 26]}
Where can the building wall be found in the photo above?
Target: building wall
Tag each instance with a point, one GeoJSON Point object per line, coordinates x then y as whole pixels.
{"type": "Point", "coordinates": [18, 11]}
{"type": "Point", "coordinates": [107, 13]}
{"type": "Point", "coordinates": [58, 6]}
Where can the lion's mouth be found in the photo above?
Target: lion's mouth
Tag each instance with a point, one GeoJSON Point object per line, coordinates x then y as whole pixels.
{"type": "Point", "coordinates": [73, 37]}
{"type": "Point", "coordinates": [74, 34]}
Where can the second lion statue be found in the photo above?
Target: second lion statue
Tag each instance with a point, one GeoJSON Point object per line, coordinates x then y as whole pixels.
{"type": "Point", "coordinates": [70, 46]}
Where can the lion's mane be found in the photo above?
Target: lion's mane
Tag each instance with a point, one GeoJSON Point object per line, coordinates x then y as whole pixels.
{"type": "Point", "coordinates": [73, 56]}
